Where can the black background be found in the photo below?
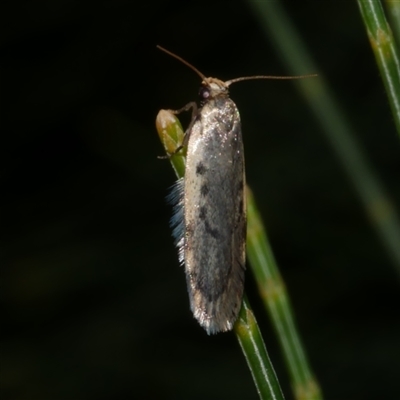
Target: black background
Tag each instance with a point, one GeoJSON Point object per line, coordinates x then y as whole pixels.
{"type": "Point", "coordinates": [93, 302]}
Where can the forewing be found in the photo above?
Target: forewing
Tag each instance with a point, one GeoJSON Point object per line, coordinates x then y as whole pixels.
{"type": "Point", "coordinates": [215, 216]}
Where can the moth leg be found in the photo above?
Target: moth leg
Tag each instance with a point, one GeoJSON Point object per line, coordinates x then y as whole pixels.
{"type": "Point", "coordinates": [192, 105]}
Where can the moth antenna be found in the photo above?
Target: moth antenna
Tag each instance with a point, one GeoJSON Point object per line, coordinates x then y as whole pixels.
{"type": "Point", "coordinates": [247, 78]}
{"type": "Point", "coordinates": [202, 76]}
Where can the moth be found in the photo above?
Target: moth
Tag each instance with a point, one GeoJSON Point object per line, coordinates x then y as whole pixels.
{"type": "Point", "coordinates": [209, 220]}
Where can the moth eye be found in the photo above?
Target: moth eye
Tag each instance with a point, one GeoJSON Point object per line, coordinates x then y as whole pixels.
{"type": "Point", "coordinates": [204, 93]}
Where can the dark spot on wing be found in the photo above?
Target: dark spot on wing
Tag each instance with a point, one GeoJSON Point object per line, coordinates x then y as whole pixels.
{"type": "Point", "coordinates": [210, 230]}
{"type": "Point", "coordinates": [210, 289]}
{"type": "Point", "coordinates": [200, 168]}
{"type": "Point", "coordinates": [204, 190]}
{"type": "Point", "coordinates": [203, 213]}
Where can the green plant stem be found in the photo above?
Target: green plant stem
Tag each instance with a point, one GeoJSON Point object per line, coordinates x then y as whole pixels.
{"type": "Point", "coordinates": [246, 328]}
{"type": "Point", "coordinates": [251, 342]}
{"type": "Point", "coordinates": [340, 135]}
{"type": "Point", "coordinates": [382, 42]}
{"type": "Point", "coordinates": [276, 301]}
{"type": "Point", "coordinates": [393, 7]}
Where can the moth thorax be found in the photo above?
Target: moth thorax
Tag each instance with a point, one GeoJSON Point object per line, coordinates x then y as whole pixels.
{"type": "Point", "coordinates": [212, 87]}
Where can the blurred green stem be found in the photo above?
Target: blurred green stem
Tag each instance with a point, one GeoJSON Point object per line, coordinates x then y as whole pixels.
{"type": "Point", "coordinates": [382, 42]}
{"type": "Point", "coordinates": [246, 328]}
{"type": "Point", "coordinates": [252, 344]}
{"type": "Point", "coordinates": [393, 7]}
{"type": "Point", "coordinates": [338, 132]}
{"type": "Point", "coordinates": [276, 301]}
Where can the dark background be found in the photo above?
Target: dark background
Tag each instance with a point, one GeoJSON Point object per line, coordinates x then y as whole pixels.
{"type": "Point", "coordinates": [93, 302]}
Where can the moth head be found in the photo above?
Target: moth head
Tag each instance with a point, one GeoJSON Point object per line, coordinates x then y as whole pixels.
{"type": "Point", "coordinates": [212, 87]}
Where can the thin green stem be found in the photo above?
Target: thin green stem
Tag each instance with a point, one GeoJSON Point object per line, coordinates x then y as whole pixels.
{"type": "Point", "coordinates": [382, 42]}
{"type": "Point", "coordinates": [334, 124]}
{"type": "Point", "coordinates": [393, 7]}
{"type": "Point", "coordinates": [246, 328]}
{"type": "Point", "coordinates": [276, 301]}
{"type": "Point", "coordinates": [252, 344]}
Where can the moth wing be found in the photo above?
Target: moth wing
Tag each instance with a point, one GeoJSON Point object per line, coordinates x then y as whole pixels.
{"type": "Point", "coordinates": [215, 216]}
